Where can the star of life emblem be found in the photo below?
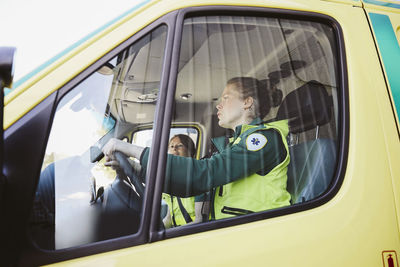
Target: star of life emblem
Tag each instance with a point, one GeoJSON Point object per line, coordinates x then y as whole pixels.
{"type": "Point", "coordinates": [256, 141]}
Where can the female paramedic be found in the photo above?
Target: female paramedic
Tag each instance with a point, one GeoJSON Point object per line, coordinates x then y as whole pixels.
{"type": "Point", "coordinates": [248, 174]}
{"type": "Point", "coordinates": [182, 211]}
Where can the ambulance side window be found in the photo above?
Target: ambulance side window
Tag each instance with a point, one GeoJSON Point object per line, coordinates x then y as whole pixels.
{"type": "Point", "coordinates": [79, 200]}
{"type": "Point", "coordinates": [290, 66]}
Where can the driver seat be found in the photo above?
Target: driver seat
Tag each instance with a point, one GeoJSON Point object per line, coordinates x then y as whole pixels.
{"type": "Point", "coordinates": [119, 211]}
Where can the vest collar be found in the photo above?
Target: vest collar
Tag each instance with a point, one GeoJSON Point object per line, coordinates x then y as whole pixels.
{"type": "Point", "coordinates": [220, 143]}
{"type": "Point", "coordinates": [238, 129]}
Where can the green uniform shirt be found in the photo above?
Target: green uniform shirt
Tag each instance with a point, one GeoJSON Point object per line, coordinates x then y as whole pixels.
{"type": "Point", "coordinates": [186, 177]}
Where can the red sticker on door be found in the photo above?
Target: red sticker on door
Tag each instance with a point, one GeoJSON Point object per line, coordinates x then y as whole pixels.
{"type": "Point", "coordinates": [389, 258]}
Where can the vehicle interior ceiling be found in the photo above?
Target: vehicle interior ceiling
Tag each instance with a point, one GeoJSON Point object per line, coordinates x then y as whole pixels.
{"type": "Point", "coordinates": [300, 56]}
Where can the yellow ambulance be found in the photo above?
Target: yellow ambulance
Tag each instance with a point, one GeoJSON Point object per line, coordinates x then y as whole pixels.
{"type": "Point", "coordinates": [331, 70]}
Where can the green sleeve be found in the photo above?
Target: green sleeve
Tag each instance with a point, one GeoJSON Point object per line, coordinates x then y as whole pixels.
{"type": "Point", "coordinates": [186, 177]}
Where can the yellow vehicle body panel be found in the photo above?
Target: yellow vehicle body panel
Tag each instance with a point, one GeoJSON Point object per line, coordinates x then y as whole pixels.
{"type": "Point", "coordinates": [391, 9]}
{"type": "Point", "coordinates": [330, 235]}
{"type": "Point", "coordinates": [347, 2]}
{"type": "Point", "coordinates": [363, 216]}
{"type": "Point", "coordinates": [382, 5]}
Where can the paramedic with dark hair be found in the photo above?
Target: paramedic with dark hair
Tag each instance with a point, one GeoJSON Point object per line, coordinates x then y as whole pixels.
{"type": "Point", "coordinates": [183, 211]}
{"type": "Point", "coordinates": [249, 174]}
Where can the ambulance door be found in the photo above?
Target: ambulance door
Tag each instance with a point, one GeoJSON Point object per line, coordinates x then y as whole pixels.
{"type": "Point", "coordinates": [62, 202]}
{"type": "Point", "coordinates": [291, 52]}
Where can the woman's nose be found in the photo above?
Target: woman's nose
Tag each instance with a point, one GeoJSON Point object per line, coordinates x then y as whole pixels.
{"type": "Point", "coordinates": [218, 106]}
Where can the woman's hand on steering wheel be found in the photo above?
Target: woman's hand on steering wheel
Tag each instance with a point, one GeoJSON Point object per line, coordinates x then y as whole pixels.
{"type": "Point", "coordinates": [115, 152]}
{"type": "Point", "coordinates": [129, 170]}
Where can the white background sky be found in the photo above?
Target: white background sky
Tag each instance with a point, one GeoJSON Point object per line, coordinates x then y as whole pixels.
{"type": "Point", "coordinates": [40, 29]}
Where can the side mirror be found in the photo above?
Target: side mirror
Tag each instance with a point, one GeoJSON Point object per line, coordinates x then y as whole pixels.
{"type": "Point", "coordinates": [6, 66]}
{"type": "Point", "coordinates": [6, 79]}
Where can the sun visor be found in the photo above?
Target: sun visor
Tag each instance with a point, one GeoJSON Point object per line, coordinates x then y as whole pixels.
{"type": "Point", "coordinates": [136, 106]}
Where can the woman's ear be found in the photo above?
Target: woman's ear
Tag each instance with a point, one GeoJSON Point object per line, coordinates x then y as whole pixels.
{"type": "Point", "coordinates": [248, 102]}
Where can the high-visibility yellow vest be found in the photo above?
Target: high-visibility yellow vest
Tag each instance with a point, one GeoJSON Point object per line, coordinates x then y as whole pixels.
{"type": "Point", "coordinates": [175, 211]}
{"type": "Point", "coordinates": [256, 192]}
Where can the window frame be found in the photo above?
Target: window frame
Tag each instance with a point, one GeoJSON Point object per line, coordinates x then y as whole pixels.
{"type": "Point", "coordinates": [343, 119]}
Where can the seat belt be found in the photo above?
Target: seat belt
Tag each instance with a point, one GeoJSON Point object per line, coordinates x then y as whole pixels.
{"type": "Point", "coordinates": [185, 214]}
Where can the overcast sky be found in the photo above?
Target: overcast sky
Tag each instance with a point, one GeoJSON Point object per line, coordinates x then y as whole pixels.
{"type": "Point", "coordinates": [40, 29]}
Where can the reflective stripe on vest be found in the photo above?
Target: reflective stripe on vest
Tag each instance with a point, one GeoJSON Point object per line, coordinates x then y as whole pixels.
{"type": "Point", "coordinates": [256, 192]}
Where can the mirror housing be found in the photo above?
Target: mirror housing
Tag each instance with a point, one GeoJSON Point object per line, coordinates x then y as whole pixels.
{"type": "Point", "coordinates": [6, 66]}
{"type": "Point", "coordinates": [6, 79]}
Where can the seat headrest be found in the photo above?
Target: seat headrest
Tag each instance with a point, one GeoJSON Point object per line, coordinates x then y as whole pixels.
{"type": "Point", "coordinates": [306, 107]}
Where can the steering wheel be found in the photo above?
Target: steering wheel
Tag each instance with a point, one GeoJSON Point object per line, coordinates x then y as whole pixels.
{"type": "Point", "coordinates": [130, 172]}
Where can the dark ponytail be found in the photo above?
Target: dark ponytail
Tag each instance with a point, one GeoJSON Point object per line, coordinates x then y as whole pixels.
{"type": "Point", "coordinates": [276, 97]}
